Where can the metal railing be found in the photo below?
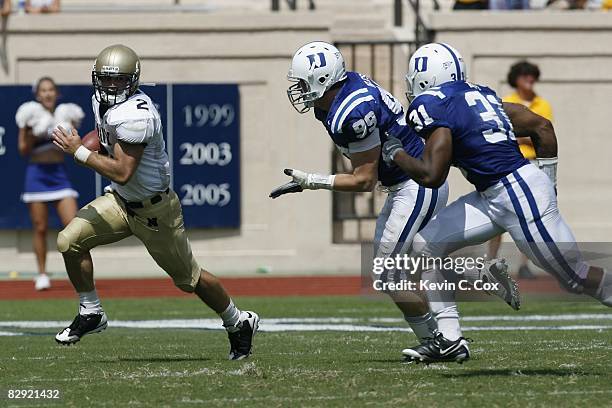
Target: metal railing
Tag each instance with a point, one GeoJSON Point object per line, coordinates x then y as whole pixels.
{"type": "Point", "coordinates": [386, 62]}
{"type": "Point", "coordinates": [422, 34]}
{"type": "Point", "coordinates": [292, 4]}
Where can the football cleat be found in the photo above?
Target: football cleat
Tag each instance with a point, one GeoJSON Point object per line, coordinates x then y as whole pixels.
{"type": "Point", "coordinates": [81, 326]}
{"type": "Point", "coordinates": [496, 271]}
{"type": "Point", "coordinates": [241, 340]}
{"type": "Point", "coordinates": [439, 349]}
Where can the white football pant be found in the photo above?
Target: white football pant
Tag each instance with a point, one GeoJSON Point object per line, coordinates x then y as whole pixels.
{"type": "Point", "coordinates": [524, 203]}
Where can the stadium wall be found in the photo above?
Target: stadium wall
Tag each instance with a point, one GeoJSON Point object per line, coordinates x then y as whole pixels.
{"type": "Point", "coordinates": [294, 234]}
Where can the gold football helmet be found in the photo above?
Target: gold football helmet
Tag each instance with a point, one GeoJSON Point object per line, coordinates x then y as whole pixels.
{"type": "Point", "coordinates": [115, 74]}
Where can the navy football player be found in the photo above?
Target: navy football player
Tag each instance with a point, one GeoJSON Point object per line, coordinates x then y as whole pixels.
{"type": "Point", "coordinates": [468, 126]}
{"type": "Point", "coordinates": [139, 202]}
{"type": "Point", "coordinates": [359, 116]}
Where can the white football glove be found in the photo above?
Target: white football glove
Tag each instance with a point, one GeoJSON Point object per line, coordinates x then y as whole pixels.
{"type": "Point", "coordinates": [549, 166]}
{"type": "Point", "coordinates": [390, 148]}
{"type": "Point", "coordinates": [301, 181]}
{"type": "Point", "coordinates": [311, 181]}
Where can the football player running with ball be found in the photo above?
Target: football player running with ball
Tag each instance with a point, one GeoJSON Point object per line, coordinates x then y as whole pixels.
{"type": "Point", "coordinates": [468, 126]}
{"type": "Point", "coordinates": [359, 116]}
{"type": "Point", "coordinates": [138, 202]}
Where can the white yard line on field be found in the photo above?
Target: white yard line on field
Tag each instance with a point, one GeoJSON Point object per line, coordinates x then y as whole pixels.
{"type": "Point", "coordinates": [197, 323]}
{"type": "Point", "coordinates": [336, 324]}
{"type": "Point", "coordinates": [5, 333]}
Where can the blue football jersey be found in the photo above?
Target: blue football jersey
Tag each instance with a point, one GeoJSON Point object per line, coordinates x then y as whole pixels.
{"type": "Point", "coordinates": [484, 145]}
{"type": "Point", "coordinates": [362, 116]}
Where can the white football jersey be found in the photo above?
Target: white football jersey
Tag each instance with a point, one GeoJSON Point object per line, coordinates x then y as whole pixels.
{"type": "Point", "coordinates": [136, 121]}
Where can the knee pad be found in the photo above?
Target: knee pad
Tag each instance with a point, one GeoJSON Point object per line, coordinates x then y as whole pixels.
{"type": "Point", "coordinates": [68, 241]}
{"type": "Point", "coordinates": [64, 243]}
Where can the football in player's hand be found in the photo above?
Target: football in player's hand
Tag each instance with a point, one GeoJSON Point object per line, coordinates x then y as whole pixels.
{"type": "Point", "coordinates": [91, 141]}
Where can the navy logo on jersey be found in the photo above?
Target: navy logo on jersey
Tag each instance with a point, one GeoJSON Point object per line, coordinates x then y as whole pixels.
{"type": "Point", "coordinates": [420, 64]}
{"type": "Point", "coordinates": [317, 60]}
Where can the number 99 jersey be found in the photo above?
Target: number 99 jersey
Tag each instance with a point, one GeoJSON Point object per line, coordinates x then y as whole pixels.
{"type": "Point", "coordinates": [361, 118]}
{"type": "Point", "coordinates": [484, 145]}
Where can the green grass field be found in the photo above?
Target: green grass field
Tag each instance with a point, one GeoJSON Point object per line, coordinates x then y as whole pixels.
{"type": "Point", "coordinates": [187, 367]}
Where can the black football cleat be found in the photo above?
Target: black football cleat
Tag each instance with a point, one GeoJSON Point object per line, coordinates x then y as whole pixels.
{"type": "Point", "coordinates": [81, 326]}
{"type": "Point", "coordinates": [241, 341]}
{"type": "Point", "coordinates": [496, 271]}
{"type": "Point", "coordinates": [439, 349]}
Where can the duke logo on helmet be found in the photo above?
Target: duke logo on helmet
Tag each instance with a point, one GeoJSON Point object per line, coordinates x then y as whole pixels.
{"type": "Point", "coordinates": [315, 68]}
{"type": "Point", "coordinates": [420, 64]}
{"type": "Point", "coordinates": [317, 60]}
{"type": "Point", "coordinates": [433, 65]}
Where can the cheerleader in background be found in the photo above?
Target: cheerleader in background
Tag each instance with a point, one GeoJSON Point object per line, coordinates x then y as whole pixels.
{"type": "Point", "coordinates": [46, 180]}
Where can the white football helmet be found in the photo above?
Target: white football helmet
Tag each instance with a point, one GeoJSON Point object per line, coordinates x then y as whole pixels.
{"type": "Point", "coordinates": [315, 68]}
{"type": "Point", "coordinates": [433, 65]}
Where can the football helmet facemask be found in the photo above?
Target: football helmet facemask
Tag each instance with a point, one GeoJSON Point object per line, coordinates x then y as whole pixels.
{"type": "Point", "coordinates": [315, 68]}
{"type": "Point", "coordinates": [433, 65]}
{"type": "Point", "coordinates": [115, 74]}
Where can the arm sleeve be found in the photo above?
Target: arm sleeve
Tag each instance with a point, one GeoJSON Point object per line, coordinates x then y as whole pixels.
{"type": "Point", "coordinates": [368, 143]}
{"type": "Point", "coordinates": [135, 131]}
{"type": "Point", "coordinates": [360, 129]}
{"type": "Point", "coordinates": [428, 112]}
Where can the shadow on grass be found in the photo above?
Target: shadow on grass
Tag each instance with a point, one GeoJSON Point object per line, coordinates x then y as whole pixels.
{"type": "Point", "coordinates": [158, 359]}
{"type": "Point", "coordinates": [559, 372]}
{"type": "Point", "coordinates": [385, 361]}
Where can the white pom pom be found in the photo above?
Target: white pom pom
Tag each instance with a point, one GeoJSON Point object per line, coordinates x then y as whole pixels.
{"type": "Point", "coordinates": [42, 124]}
{"type": "Point", "coordinates": [69, 112]}
{"type": "Point", "coordinates": [26, 112]}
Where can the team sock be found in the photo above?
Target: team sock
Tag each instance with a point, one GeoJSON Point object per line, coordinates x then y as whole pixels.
{"type": "Point", "coordinates": [230, 317]}
{"type": "Point", "coordinates": [448, 322]}
{"type": "Point", "coordinates": [423, 326]}
{"type": "Point", "coordinates": [442, 305]}
{"type": "Point", "coordinates": [89, 303]}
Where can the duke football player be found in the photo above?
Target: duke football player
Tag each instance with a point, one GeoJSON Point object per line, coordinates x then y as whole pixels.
{"type": "Point", "coordinates": [359, 116]}
{"type": "Point", "coordinates": [139, 201]}
{"type": "Point", "coordinates": [468, 126]}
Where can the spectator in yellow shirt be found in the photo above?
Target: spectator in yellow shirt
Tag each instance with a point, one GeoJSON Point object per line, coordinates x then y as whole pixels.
{"type": "Point", "coordinates": [523, 77]}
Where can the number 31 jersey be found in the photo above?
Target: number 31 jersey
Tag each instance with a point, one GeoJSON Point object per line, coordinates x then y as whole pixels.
{"type": "Point", "coordinates": [136, 121]}
{"type": "Point", "coordinates": [361, 118]}
{"type": "Point", "coordinates": [484, 145]}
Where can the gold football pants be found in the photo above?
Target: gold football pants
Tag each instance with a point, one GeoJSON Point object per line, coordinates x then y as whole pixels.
{"type": "Point", "coordinates": [159, 226]}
